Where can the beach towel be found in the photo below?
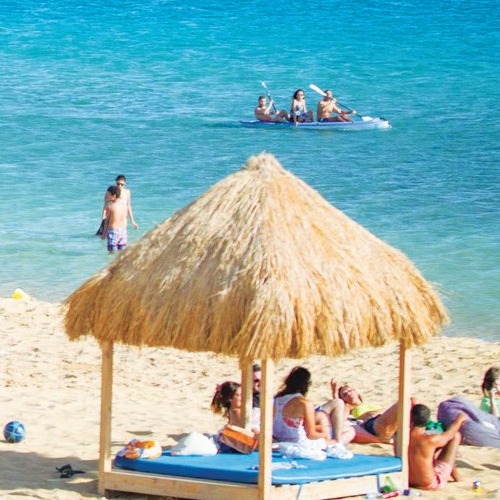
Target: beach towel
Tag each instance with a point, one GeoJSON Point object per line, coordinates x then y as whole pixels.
{"type": "Point", "coordinates": [482, 429]}
{"type": "Point", "coordinates": [141, 449]}
{"type": "Point", "coordinates": [310, 449]}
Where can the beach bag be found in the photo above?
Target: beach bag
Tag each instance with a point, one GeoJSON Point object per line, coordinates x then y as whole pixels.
{"type": "Point", "coordinates": [100, 231]}
{"type": "Point", "coordinates": [239, 439]}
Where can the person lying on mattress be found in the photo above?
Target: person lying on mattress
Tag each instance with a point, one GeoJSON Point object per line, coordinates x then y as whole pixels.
{"type": "Point", "coordinates": [295, 418]}
{"type": "Point", "coordinates": [227, 402]}
{"type": "Point", "coordinates": [372, 423]}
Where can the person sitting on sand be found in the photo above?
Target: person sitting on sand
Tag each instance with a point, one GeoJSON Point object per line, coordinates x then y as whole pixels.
{"type": "Point", "coordinates": [373, 424]}
{"type": "Point", "coordinates": [295, 418]}
{"type": "Point", "coordinates": [268, 112]}
{"type": "Point", "coordinates": [227, 402]}
{"type": "Point", "coordinates": [329, 111]}
{"type": "Point", "coordinates": [491, 391]}
{"type": "Point", "coordinates": [431, 456]}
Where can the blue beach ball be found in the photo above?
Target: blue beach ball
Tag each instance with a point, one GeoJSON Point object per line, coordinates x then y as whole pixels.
{"type": "Point", "coordinates": [14, 432]}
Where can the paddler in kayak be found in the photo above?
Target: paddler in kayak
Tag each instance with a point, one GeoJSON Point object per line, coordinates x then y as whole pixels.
{"type": "Point", "coordinates": [329, 111]}
{"type": "Point", "coordinates": [298, 109]}
{"type": "Point", "coordinates": [268, 112]}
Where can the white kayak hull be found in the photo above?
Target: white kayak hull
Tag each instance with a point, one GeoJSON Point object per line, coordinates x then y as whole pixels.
{"type": "Point", "coordinates": [366, 123]}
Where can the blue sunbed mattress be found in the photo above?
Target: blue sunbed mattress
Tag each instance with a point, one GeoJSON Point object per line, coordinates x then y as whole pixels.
{"type": "Point", "coordinates": [236, 467]}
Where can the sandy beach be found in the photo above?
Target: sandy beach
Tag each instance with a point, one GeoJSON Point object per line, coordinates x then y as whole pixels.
{"type": "Point", "coordinates": [52, 385]}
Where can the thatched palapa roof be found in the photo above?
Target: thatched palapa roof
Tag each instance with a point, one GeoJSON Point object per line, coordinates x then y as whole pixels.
{"type": "Point", "coordinates": [259, 266]}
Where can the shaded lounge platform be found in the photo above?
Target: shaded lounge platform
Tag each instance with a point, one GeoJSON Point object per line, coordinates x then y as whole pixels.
{"type": "Point", "coordinates": [260, 267]}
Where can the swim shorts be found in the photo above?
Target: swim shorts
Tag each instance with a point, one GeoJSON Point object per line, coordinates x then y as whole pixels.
{"type": "Point", "coordinates": [442, 472]}
{"type": "Point", "coordinates": [117, 239]}
{"type": "Point", "coordinates": [369, 425]}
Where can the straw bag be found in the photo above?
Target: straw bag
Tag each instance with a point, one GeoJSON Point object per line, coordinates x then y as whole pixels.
{"type": "Point", "coordinates": [239, 439]}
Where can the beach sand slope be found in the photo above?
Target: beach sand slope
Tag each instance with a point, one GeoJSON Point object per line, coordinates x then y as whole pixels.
{"type": "Point", "coordinates": [52, 385]}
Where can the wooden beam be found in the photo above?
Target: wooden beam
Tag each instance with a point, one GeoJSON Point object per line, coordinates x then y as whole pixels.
{"type": "Point", "coordinates": [203, 489]}
{"type": "Point", "coordinates": [266, 430]}
{"type": "Point", "coordinates": [106, 410]}
{"type": "Point", "coordinates": [178, 487]}
{"type": "Point", "coordinates": [246, 392]}
{"type": "Point", "coordinates": [404, 395]}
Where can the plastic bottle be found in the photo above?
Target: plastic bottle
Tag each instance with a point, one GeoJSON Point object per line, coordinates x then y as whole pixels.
{"type": "Point", "coordinates": [476, 486]}
{"type": "Point", "coordinates": [411, 493]}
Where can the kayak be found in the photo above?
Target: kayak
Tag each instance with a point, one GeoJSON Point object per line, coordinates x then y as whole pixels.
{"type": "Point", "coordinates": [366, 123]}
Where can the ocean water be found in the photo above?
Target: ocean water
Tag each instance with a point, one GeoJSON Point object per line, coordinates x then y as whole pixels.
{"type": "Point", "coordinates": [155, 90]}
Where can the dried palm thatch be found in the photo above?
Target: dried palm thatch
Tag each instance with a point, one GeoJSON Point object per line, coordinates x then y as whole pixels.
{"type": "Point", "coordinates": [260, 266]}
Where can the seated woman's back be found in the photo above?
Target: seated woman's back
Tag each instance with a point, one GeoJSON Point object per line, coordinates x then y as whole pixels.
{"type": "Point", "coordinates": [288, 420]}
{"type": "Point", "coordinates": [294, 416]}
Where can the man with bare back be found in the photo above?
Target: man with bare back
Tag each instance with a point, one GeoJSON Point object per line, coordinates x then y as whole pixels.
{"type": "Point", "coordinates": [431, 456]}
{"type": "Point", "coordinates": [116, 220]}
{"type": "Point", "coordinates": [125, 198]}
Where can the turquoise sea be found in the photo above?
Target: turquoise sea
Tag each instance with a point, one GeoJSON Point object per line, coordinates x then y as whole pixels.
{"type": "Point", "coordinates": [155, 90]}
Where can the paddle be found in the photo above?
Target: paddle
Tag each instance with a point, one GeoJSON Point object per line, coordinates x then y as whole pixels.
{"type": "Point", "coordinates": [321, 92]}
{"type": "Point", "coordinates": [269, 96]}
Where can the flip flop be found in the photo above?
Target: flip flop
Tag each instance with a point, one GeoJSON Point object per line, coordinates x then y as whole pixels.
{"type": "Point", "coordinates": [63, 468]}
{"type": "Point", "coordinates": [68, 471]}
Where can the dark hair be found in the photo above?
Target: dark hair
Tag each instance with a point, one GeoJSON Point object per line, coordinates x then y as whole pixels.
{"type": "Point", "coordinates": [120, 178]}
{"type": "Point", "coordinates": [490, 377]}
{"type": "Point", "coordinates": [114, 190]}
{"type": "Point", "coordinates": [420, 415]}
{"type": "Point", "coordinates": [221, 402]}
{"type": "Point", "coordinates": [255, 368]}
{"type": "Point", "coordinates": [296, 92]}
{"type": "Point", "coordinates": [262, 97]}
{"type": "Point", "coordinates": [298, 380]}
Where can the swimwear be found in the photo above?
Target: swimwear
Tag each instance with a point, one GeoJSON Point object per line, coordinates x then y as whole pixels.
{"type": "Point", "coordinates": [442, 472]}
{"type": "Point", "coordinates": [117, 239]}
{"type": "Point", "coordinates": [363, 408]}
{"type": "Point", "coordinates": [486, 404]}
{"type": "Point", "coordinates": [299, 112]}
{"type": "Point", "coordinates": [369, 425]}
{"type": "Point", "coordinates": [285, 428]}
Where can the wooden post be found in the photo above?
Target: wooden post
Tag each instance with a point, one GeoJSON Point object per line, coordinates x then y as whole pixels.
{"type": "Point", "coordinates": [266, 430]}
{"type": "Point", "coordinates": [403, 438]}
{"type": "Point", "coordinates": [246, 392]}
{"type": "Point", "coordinates": [106, 409]}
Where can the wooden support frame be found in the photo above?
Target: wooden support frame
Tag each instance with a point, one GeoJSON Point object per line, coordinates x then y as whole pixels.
{"type": "Point", "coordinates": [181, 487]}
{"type": "Point", "coordinates": [404, 393]}
{"type": "Point", "coordinates": [246, 392]}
